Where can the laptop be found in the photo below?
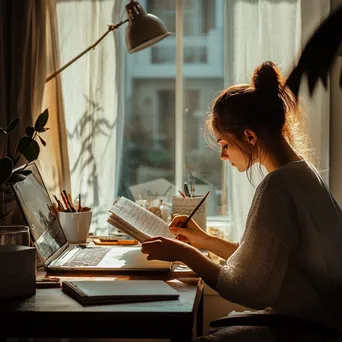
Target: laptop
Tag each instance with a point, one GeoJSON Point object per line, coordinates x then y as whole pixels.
{"type": "Point", "coordinates": [52, 246]}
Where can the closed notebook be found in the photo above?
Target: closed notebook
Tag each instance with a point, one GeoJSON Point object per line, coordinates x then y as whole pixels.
{"type": "Point", "coordinates": [118, 291]}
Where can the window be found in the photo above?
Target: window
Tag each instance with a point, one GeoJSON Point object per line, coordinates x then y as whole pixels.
{"type": "Point", "coordinates": [153, 124]}
{"type": "Point", "coordinates": [134, 120]}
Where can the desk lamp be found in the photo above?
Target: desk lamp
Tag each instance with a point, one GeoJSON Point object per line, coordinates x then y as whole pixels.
{"type": "Point", "coordinates": [143, 30]}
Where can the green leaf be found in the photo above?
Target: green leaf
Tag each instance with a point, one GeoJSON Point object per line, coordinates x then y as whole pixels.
{"type": "Point", "coordinates": [29, 131]}
{"type": "Point", "coordinates": [42, 140]}
{"type": "Point", "coordinates": [29, 148]}
{"type": "Point", "coordinates": [6, 168]}
{"type": "Point", "coordinates": [12, 125]}
{"type": "Point", "coordinates": [43, 130]}
{"type": "Point", "coordinates": [15, 178]}
{"type": "Point", "coordinates": [41, 120]}
{"type": "Point", "coordinates": [3, 131]}
{"type": "Point", "coordinates": [25, 172]}
{"type": "Point", "coordinates": [14, 160]}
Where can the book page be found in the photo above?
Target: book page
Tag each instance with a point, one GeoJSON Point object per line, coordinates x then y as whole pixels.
{"type": "Point", "coordinates": [140, 218]}
{"type": "Point", "coordinates": [127, 228]}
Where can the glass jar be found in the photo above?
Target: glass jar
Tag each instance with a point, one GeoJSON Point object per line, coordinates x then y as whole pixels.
{"type": "Point", "coordinates": [15, 235]}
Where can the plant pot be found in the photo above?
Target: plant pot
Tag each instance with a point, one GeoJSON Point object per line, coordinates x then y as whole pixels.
{"type": "Point", "coordinates": [15, 235]}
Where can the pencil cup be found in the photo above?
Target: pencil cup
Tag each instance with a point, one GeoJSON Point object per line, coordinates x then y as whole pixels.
{"type": "Point", "coordinates": [76, 226]}
{"type": "Point", "coordinates": [185, 206]}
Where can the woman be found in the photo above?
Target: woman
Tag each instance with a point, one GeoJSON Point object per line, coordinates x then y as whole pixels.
{"type": "Point", "coordinates": [290, 256]}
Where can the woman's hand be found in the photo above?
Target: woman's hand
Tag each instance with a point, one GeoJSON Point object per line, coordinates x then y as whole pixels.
{"type": "Point", "coordinates": [160, 248]}
{"type": "Point", "coordinates": [192, 232]}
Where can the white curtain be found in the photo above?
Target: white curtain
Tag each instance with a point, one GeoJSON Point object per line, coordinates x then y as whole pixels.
{"type": "Point", "coordinates": [260, 30]}
{"type": "Point", "coordinates": [90, 94]}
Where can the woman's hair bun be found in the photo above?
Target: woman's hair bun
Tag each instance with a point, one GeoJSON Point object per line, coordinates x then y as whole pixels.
{"type": "Point", "coordinates": [267, 77]}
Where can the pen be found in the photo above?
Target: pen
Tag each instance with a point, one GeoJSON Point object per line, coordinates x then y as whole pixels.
{"type": "Point", "coordinates": [181, 193]}
{"type": "Point", "coordinates": [192, 188]}
{"type": "Point", "coordinates": [192, 185]}
{"type": "Point", "coordinates": [186, 189]}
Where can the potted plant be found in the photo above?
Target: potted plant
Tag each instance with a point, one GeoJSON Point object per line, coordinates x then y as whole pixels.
{"type": "Point", "coordinates": [27, 148]}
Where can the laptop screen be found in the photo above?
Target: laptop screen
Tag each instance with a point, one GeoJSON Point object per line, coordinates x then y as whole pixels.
{"type": "Point", "coordinates": [40, 214]}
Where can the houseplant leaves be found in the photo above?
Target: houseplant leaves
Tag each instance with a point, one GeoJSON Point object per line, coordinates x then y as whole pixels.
{"type": "Point", "coordinates": [6, 168]}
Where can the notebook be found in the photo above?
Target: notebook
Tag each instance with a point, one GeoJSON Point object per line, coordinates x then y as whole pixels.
{"type": "Point", "coordinates": [89, 292]}
{"type": "Point", "coordinates": [52, 246]}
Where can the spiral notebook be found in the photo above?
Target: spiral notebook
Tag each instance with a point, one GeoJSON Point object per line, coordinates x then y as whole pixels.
{"type": "Point", "coordinates": [92, 292]}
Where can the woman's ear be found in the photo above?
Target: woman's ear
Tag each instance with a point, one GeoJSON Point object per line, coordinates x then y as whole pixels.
{"type": "Point", "coordinates": [250, 136]}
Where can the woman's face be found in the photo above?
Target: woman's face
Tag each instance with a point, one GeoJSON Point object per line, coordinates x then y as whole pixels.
{"type": "Point", "coordinates": [232, 153]}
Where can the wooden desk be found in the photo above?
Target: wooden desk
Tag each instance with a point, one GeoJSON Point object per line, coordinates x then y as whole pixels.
{"type": "Point", "coordinates": [51, 313]}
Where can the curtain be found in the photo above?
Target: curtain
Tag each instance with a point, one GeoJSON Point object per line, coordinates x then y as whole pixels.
{"type": "Point", "coordinates": [22, 62]}
{"type": "Point", "coordinates": [22, 66]}
{"type": "Point", "coordinates": [53, 161]}
{"type": "Point", "coordinates": [90, 95]}
{"type": "Point", "coordinates": [260, 30]}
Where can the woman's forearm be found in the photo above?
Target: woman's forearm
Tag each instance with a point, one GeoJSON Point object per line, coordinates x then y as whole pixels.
{"type": "Point", "coordinates": [208, 270]}
{"type": "Point", "coordinates": [222, 248]}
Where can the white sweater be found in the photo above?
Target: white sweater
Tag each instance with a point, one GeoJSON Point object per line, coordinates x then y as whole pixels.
{"type": "Point", "coordinates": [290, 256]}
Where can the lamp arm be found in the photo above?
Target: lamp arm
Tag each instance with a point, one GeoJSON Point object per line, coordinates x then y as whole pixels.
{"type": "Point", "coordinates": [110, 28]}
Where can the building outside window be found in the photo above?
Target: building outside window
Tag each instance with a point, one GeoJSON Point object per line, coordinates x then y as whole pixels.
{"type": "Point", "coordinates": [150, 123]}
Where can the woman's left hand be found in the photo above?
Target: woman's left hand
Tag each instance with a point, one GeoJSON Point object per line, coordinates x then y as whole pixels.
{"type": "Point", "coordinates": [160, 248]}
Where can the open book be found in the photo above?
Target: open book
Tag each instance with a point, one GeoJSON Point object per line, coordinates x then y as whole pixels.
{"type": "Point", "coordinates": [137, 221]}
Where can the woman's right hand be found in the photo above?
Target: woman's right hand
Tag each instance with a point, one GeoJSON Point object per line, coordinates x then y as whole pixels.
{"type": "Point", "coordinates": [192, 232]}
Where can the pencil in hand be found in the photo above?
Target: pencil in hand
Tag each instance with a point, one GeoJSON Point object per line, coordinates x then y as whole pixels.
{"type": "Point", "coordinates": [180, 237]}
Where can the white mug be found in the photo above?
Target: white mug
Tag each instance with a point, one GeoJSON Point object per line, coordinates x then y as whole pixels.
{"type": "Point", "coordinates": [76, 226]}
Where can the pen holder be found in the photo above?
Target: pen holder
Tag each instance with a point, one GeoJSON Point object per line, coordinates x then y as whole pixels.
{"type": "Point", "coordinates": [75, 226]}
{"type": "Point", "coordinates": [185, 206]}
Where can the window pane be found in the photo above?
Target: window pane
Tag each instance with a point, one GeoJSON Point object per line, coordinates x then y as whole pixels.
{"type": "Point", "coordinates": [150, 134]}
{"type": "Point", "coordinates": [203, 78]}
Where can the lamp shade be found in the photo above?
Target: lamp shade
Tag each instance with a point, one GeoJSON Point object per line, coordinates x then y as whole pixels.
{"type": "Point", "coordinates": [143, 29]}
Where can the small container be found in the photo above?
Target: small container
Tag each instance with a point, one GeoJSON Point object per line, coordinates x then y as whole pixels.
{"type": "Point", "coordinates": [75, 226]}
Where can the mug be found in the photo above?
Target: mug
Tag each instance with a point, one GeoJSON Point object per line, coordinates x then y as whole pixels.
{"type": "Point", "coordinates": [75, 226]}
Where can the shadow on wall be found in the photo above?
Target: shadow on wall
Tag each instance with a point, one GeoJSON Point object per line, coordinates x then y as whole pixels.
{"type": "Point", "coordinates": [87, 130]}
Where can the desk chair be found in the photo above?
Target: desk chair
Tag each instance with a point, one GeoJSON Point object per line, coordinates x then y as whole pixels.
{"type": "Point", "coordinates": [278, 321]}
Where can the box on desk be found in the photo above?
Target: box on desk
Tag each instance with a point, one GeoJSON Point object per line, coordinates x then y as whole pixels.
{"type": "Point", "coordinates": [17, 270]}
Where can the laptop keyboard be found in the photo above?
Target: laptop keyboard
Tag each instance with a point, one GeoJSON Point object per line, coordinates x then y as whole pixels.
{"type": "Point", "coordinates": [87, 257]}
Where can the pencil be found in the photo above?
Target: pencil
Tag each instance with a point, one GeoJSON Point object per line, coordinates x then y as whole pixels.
{"type": "Point", "coordinates": [178, 237]}
{"type": "Point", "coordinates": [60, 205]}
{"type": "Point", "coordinates": [65, 202]}
{"type": "Point", "coordinates": [70, 206]}
{"type": "Point", "coordinates": [194, 211]}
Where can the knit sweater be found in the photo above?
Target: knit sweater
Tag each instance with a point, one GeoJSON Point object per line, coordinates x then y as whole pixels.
{"type": "Point", "coordinates": [290, 255]}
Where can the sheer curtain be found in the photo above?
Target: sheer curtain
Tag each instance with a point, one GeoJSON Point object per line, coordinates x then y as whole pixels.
{"type": "Point", "coordinates": [90, 95]}
{"type": "Point", "coordinates": [53, 161]}
{"type": "Point", "coordinates": [259, 30]}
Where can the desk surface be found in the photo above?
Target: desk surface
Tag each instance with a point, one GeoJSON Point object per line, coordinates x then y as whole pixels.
{"type": "Point", "coordinates": [51, 313]}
